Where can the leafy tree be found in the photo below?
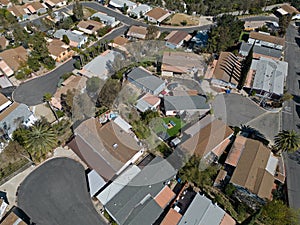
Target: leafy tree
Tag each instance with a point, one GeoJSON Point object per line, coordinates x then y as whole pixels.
{"type": "Point", "coordinates": [287, 141]}
{"type": "Point", "coordinates": [148, 115]}
{"type": "Point", "coordinates": [66, 24]}
{"type": "Point", "coordinates": [66, 39]}
{"type": "Point", "coordinates": [230, 189]}
{"type": "Point", "coordinates": [78, 10]}
{"type": "Point", "coordinates": [246, 64]}
{"type": "Point", "coordinates": [41, 139]}
{"type": "Point", "coordinates": [33, 63]}
{"type": "Point", "coordinates": [277, 213]}
{"type": "Point", "coordinates": [20, 36]}
{"type": "Point", "coordinates": [286, 97]}
{"type": "Point", "coordinates": [152, 32]}
{"type": "Point", "coordinates": [77, 65]}
{"type": "Point", "coordinates": [67, 102]}
{"type": "Point", "coordinates": [108, 93]}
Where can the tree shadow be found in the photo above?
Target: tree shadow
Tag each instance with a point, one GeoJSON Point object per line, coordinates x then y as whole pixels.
{"type": "Point", "coordinates": [250, 132]}
{"type": "Point", "coordinates": [297, 39]}
{"type": "Point", "coordinates": [296, 99]}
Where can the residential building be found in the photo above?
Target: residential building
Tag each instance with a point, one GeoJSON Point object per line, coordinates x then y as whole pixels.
{"type": "Point", "coordinates": [260, 51]}
{"type": "Point", "coordinates": [59, 51]}
{"type": "Point", "coordinates": [108, 149]}
{"type": "Point", "coordinates": [16, 217]}
{"type": "Point", "coordinates": [3, 203]}
{"type": "Point", "coordinates": [107, 20]}
{"type": "Point", "coordinates": [253, 25]}
{"type": "Point", "coordinates": [5, 4]}
{"type": "Point", "coordinates": [3, 43]}
{"type": "Point", "coordinates": [95, 181]}
{"type": "Point", "coordinates": [13, 115]}
{"type": "Point", "coordinates": [266, 40]}
{"type": "Point", "coordinates": [147, 102]}
{"type": "Point", "coordinates": [102, 65]}
{"type": "Point", "coordinates": [227, 72]}
{"type": "Point", "coordinates": [137, 32]}
{"type": "Point", "coordinates": [55, 3]}
{"type": "Point", "coordinates": [146, 195]}
{"type": "Point", "coordinates": [5, 69]}
{"type": "Point", "coordinates": [36, 8]}
{"type": "Point", "coordinates": [254, 167]}
{"type": "Point", "coordinates": [208, 138]}
{"type": "Point", "coordinates": [19, 12]}
{"type": "Point", "coordinates": [140, 11]}
{"type": "Point", "coordinates": [172, 218]}
{"type": "Point", "coordinates": [177, 105]}
{"type": "Point", "coordinates": [58, 16]}
{"type": "Point", "coordinates": [287, 9]}
{"type": "Point", "coordinates": [14, 57]}
{"type": "Point", "coordinates": [77, 39]}
{"type": "Point", "coordinates": [203, 211]}
{"type": "Point", "coordinates": [146, 81]}
{"type": "Point", "coordinates": [268, 77]}
{"type": "Point", "coordinates": [120, 43]}
{"type": "Point", "coordinates": [120, 4]}
{"type": "Point", "coordinates": [182, 63]}
{"type": "Point", "coordinates": [176, 39]}
{"type": "Point", "coordinates": [89, 26]}
{"type": "Point", "coordinates": [157, 15]}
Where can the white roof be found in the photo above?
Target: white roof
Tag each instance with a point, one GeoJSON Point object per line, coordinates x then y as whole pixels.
{"type": "Point", "coordinates": [118, 184]}
{"type": "Point", "coordinates": [122, 123]}
{"type": "Point", "coordinates": [143, 8]}
{"type": "Point", "coordinates": [96, 182]}
{"type": "Point", "coordinates": [282, 12]}
{"type": "Point", "coordinates": [272, 164]}
{"type": "Point", "coordinates": [120, 3]}
{"type": "Point", "coordinates": [270, 75]}
{"type": "Point", "coordinates": [296, 17]}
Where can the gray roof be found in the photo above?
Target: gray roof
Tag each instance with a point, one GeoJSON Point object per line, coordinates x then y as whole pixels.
{"type": "Point", "coordinates": [15, 118]}
{"type": "Point", "coordinates": [245, 48]}
{"type": "Point", "coordinates": [141, 9]}
{"type": "Point", "coordinates": [71, 35]}
{"type": "Point", "coordinates": [104, 18]}
{"type": "Point", "coordinates": [145, 78]}
{"type": "Point", "coordinates": [142, 105]}
{"type": "Point", "coordinates": [202, 211]}
{"type": "Point", "coordinates": [120, 3]}
{"type": "Point", "coordinates": [185, 103]}
{"type": "Point", "coordinates": [96, 182]}
{"type": "Point", "coordinates": [147, 184]}
{"type": "Point", "coordinates": [270, 75]}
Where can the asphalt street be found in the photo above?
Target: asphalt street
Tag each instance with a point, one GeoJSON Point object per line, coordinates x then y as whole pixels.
{"type": "Point", "coordinates": [291, 113]}
{"type": "Point", "coordinates": [56, 193]}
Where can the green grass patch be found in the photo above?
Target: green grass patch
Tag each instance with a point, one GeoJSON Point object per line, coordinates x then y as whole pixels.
{"type": "Point", "coordinates": [165, 125]}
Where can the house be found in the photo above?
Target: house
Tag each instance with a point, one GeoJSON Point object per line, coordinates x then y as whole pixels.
{"type": "Point", "coordinates": [145, 197]}
{"type": "Point", "coordinates": [176, 39]}
{"type": "Point", "coordinates": [177, 105]}
{"type": "Point", "coordinates": [266, 40]}
{"type": "Point", "coordinates": [119, 43]}
{"type": "Point", "coordinates": [95, 181]}
{"type": "Point", "coordinates": [5, 4]}
{"type": "Point", "coordinates": [89, 26]}
{"type": "Point", "coordinates": [5, 69]}
{"type": "Point", "coordinates": [172, 218]}
{"type": "Point", "coordinates": [19, 12]}
{"type": "Point", "coordinates": [58, 16]}
{"type": "Point", "coordinates": [208, 138]}
{"type": "Point", "coordinates": [101, 66]}
{"type": "Point", "coordinates": [3, 203]}
{"type": "Point", "coordinates": [287, 9]}
{"type": "Point", "coordinates": [140, 11]}
{"type": "Point", "coordinates": [268, 77]}
{"type": "Point", "coordinates": [260, 51]}
{"type": "Point", "coordinates": [254, 167]}
{"type": "Point", "coordinates": [137, 32]}
{"type": "Point", "coordinates": [120, 4]}
{"type": "Point", "coordinates": [13, 115]}
{"type": "Point", "coordinates": [36, 8]}
{"type": "Point", "coordinates": [16, 217]}
{"type": "Point", "coordinates": [77, 39]}
{"type": "Point", "coordinates": [107, 149]}
{"type": "Point", "coordinates": [157, 15]}
{"type": "Point", "coordinates": [14, 57]}
{"type": "Point", "coordinates": [144, 80]}
{"type": "Point", "coordinates": [3, 43]}
{"type": "Point", "coordinates": [227, 71]}
{"type": "Point", "coordinates": [147, 102]}
{"type": "Point", "coordinates": [58, 50]}
{"type": "Point", "coordinates": [55, 3]}
{"type": "Point", "coordinates": [182, 63]}
{"type": "Point", "coordinates": [253, 25]}
{"type": "Point", "coordinates": [107, 20]}
{"type": "Point", "coordinates": [203, 211]}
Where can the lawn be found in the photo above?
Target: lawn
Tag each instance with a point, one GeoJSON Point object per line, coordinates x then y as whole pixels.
{"type": "Point", "coordinates": [165, 125]}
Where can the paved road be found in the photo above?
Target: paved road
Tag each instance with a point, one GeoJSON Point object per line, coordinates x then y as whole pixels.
{"type": "Point", "coordinates": [290, 115]}
{"type": "Point", "coordinates": [56, 193]}
{"type": "Point", "coordinates": [32, 92]}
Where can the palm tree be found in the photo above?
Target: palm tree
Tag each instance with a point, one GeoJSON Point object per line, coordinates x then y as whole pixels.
{"type": "Point", "coordinates": [47, 98]}
{"type": "Point", "coordinates": [41, 139]}
{"type": "Point", "coordinates": [287, 141]}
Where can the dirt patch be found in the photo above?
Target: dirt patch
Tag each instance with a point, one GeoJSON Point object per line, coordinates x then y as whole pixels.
{"type": "Point", "coordinates": [180, 19]}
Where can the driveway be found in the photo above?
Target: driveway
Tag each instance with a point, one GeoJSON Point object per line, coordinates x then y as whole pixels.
{"type": "Point", "coordinates": [56, 194]}
{"type": "Point", "coordinates": [290, 115]}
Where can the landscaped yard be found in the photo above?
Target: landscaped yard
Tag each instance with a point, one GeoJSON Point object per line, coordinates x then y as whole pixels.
{"type": "Point", "coordinates": [170, 125]}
